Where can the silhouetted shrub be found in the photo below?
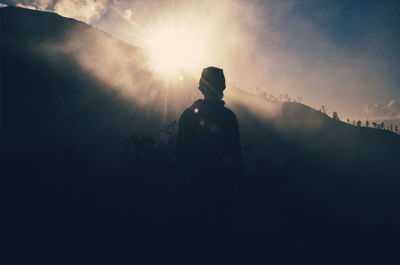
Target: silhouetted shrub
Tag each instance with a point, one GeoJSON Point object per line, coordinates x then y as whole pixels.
{"type": "Point", "coordinates": [146, 154]}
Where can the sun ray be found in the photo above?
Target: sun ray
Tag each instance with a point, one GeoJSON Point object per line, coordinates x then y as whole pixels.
{"type": "Point", "coordinates": [174, 50]}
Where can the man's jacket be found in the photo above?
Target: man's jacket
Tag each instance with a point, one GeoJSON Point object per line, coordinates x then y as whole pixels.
{"type": "Point", "coordinates": [208, 144]}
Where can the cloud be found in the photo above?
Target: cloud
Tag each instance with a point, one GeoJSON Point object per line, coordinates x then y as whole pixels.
{"type": "Point", "coordinates": [88, 11]}
{"type": "Point", "coordinates": [389, 111]}
{"type": "Point", "coordinates": [42, 5]}
{"type": "Point", "coordinates": [27, 6]}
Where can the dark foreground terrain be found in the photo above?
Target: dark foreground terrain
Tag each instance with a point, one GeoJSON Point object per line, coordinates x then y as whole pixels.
{"type": "Point", "coordinates": [87, 171]}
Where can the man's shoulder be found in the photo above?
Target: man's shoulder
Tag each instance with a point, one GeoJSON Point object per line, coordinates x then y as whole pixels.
{"type": "Point", "coordinates": [193, 109]}
{"type": "Point", "coordinates": [188, 113]}
{"type": "Point", "coordinates": [229, 113]}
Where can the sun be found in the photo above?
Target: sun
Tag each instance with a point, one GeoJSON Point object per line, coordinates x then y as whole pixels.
{"type": "Point", "coordinates": [175, 50]}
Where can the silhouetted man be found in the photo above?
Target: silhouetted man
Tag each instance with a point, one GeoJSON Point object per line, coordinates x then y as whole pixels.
{"type": "Point", "coordinates": [208, 150]}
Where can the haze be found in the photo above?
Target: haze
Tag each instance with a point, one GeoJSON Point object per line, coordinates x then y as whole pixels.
{"type": "Point", "coordinates": [342, 54]}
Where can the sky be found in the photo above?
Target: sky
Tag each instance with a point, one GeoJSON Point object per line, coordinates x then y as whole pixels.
{"type": "Point", "coordinates": [339, 53]}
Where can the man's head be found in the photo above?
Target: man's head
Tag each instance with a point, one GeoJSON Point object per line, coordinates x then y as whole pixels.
{"type": "Point", "coordinates": [212, 83]}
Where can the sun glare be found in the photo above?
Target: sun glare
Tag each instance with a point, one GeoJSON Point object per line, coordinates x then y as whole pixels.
{"type": "Point", "coordinates": [174, 51]}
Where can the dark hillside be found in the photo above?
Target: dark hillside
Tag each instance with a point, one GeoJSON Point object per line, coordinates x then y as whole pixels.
{"type": "Point", "coordinates": [49, 102]}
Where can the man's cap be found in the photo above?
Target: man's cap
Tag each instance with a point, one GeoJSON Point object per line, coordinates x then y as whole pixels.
{"type": "Point", "coordinates": [212, 77]}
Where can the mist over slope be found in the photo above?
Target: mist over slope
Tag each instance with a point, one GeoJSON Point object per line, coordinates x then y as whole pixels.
{"type": "Point", "coordinates": [63, 81]}
{"type": "Point", "coordinates": [68, 103]}
{"type": "Point", "coordinates": [82, 84]}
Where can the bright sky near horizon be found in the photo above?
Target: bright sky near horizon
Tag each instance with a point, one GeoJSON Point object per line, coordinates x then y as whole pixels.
{"type": "Point", "coordinates": [340, 53]}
